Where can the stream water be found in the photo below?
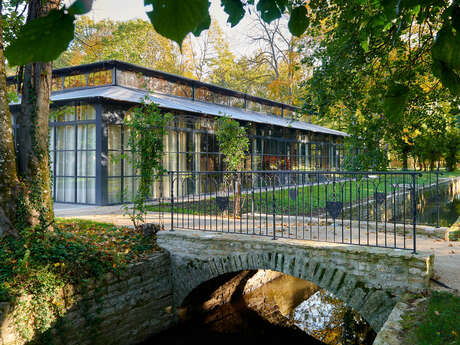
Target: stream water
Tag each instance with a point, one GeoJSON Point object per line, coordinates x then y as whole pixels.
{"type": "Point", "coordinates": [283, 311]}
{"type": "Point", "coordinates": [448, 202]}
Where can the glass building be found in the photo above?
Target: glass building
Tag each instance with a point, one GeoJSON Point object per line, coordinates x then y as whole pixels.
{"type": "Point", "coordinates": [87, 135]}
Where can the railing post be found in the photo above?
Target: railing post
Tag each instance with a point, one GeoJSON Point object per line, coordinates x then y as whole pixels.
{"type": "Point", "coordinates": [274, 208]}
{"type": "Point", "coordinates": [172, 199]}
{"type": "Point", "coordinates": [414, 212]}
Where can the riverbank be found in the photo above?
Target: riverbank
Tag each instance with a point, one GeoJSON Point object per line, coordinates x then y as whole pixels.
{"type": "Point", "coordinates": [423, 320]}
{"type": "Point", "coordinates": [82, 282]}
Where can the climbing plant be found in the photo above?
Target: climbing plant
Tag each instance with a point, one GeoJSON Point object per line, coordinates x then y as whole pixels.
{"type": "Point", "coordinates": [233, 144]}
{"type": "Point", "coordinates": [146, 127]}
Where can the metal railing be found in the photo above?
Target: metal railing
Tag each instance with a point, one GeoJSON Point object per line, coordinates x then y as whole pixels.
{"type": "Point", "coordinates": [361, 208]}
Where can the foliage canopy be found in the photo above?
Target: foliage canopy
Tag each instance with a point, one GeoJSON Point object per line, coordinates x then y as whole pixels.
{"type": "Point", "coordinates": [378, 22]}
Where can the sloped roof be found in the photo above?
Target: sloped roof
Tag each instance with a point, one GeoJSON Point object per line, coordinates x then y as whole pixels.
{"type": "Point", "coordinates": [125, 94]}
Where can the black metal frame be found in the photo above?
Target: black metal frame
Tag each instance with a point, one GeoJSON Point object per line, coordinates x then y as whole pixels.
{"type": "Point", "coordinates": [355, 208]}
{"type": "Point", "coordinates": [318, 152]}
{"type": "Point", "coordinates": [116, 65]}
{"type": "Point", "coordinates": [53, 125]}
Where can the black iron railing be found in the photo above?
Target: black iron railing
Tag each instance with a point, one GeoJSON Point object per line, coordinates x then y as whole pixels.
{"type": "Point", "coordinates": [361, 208]}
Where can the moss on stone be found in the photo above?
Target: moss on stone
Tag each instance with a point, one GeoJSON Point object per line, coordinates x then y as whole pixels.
{"type": "Point", "coordinates": [341, 282]}
{"type": "Point", "coordinates": [362, 286]}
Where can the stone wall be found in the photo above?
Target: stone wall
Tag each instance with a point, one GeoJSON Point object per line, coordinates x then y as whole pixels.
{"type": "Point", "coordinates": [124, 309]}
{"type": "Point", "coordinates": [394, 331]}
{"type": "Point", "coordinates": [368, 279]}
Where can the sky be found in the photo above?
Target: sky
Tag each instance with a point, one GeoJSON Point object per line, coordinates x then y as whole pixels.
{"type": "Point", "coordinates": [119, 10]}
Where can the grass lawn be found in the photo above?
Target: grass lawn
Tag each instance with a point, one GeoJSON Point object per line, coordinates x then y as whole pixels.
{"type": "Point", "coordinates": [303, 199]}
{"type": "Point", "coordinates": [436, 322]}
{"type": "Point", "coordinates": [74, 251]}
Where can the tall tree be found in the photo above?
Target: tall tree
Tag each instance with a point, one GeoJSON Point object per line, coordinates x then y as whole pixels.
{"type": "Point", "coordinates": [33, 131]}
{"type": "Point", "coordinates": [249, 74]}
{"type": "Point", "coordinates": [384, 89]}
{"type": "Point", "coordinates": [133, 41]}
{"type": "Point", "coordinates": [278, 49]}
{"type": "Point", "coordinates": [9, 183]}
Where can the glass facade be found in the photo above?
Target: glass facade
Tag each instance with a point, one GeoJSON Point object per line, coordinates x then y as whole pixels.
{"type": "Point", "coordinates": [191, 145]}
{"type": "Point", "coordinates": [73, 154]}
{"type": "Point", "coordinates": [162, 83]}
{"type": "Point", "coordinates": [89, 153]}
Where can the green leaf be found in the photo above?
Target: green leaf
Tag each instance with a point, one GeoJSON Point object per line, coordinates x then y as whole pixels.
{"type": "Point", "coordinates": [298, 22]}
{"type": "Point", "coordinates": [174, 19]}
{"type": "Point", "coordinates": [456, 18]}
{"type": "Point", "coordinates": [445, 47]}
{"type": "Point", "coordinates": [202, 26]}
{"type": "Point", "coordinates": [390, 8]}
{"type": "Point", "coordinates": [234, 9]}
{"type": "Point", "coordinates": [271, 9]}
{"type": "Point", "coordinates": [365, 44]}
{"type": "Point", "coordinates": [80, 7]}
{"type": "Point", "coordinates": [42, 39]}
{"type": "Point", "coordinates": [448, 77]}
{"type": "Point", "coordinates": [395, 101]}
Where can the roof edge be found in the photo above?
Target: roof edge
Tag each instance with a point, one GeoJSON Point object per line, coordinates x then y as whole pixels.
{"type": "Point", "coordinates": [127, 66]}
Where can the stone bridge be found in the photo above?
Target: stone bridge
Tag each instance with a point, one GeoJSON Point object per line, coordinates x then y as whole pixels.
{"type": "Point", "coordinates": [370, 280]}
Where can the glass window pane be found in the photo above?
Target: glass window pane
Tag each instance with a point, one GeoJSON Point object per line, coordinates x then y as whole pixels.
{"type": "Point", "coordinates": [114, 166]}
{"type": "Point", "coordinates": [69, 186]}
{"type": "Point", "coordinates": [81, 163]}
{"type": "Point", "coordinates": [86, 163]}
{"type": "Point", "coordinates": [69, 163]}
{"type": "Point", "coordinates": [91, 137]}
{"type": "Point", "coordinates": [91, 163]}
{"type": "Point", "coordinates": [87, 137]}
{"type": "Point", "coordinates": [51, 163]}
{"type": "Point", "coordinates": [60, 164]}
{"type": "Point", "coordinates": [60, 137]}
{"type": "Point", "coordinates": [81, 190]}
{"type": "Point", "coordinates": [51, 139]}
{"type": "Point", "coordinates": [69, 114]}
{"type": "Point", "coordinates": [59, 189]}
{"type": "Point", "coordinates": [131, 185]}
{"type": "Point", "coordinates": [114, 190]}
{"type": "Point", "coordinates": [91, 190]}
{"type": "Point", "coordinates": [69, 138]}
{"type": "Point", "coordinates": [125, 138]}
{"type": "Point", "coordinates": [86, 112]}
{"type": "Point", "coordinates": [128, 166]}
{"type": "Point", "coordinates": [90, 111]}
{"type": "Point", "coordinates": [114, 138]}
{"type": "Point", "coordinates": [82, 137]}
{"type": "Point", "coordinates": [86, 190]}
{"type": "Point", "coordinates": [129, 188]}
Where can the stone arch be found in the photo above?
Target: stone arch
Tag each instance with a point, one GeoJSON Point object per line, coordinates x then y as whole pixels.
{"type": "Point", "coordinates": [368, 279]}
{"type": "Point", "coordinates": [373, 304]}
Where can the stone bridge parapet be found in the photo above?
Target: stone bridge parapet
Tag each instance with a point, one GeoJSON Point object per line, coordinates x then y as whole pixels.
{"type": "Point", "coordinates": [370, 280]}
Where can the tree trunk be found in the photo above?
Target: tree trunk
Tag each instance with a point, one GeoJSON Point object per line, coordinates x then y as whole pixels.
{"type": "Point", "coordinates": [9, 184]}
{"type": "Point", "coordinates": [33, 131]}
{"type": "Point", "coordinates": [405, 159]}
